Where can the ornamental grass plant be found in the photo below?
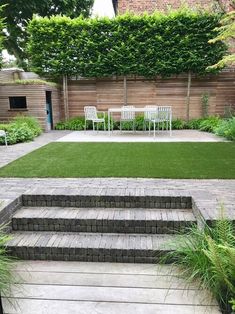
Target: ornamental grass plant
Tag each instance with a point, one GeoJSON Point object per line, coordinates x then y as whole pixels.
{"type": "Point", "coordinates": [208, 257]}
{"type": "Point", "coordinates": [7, 263]}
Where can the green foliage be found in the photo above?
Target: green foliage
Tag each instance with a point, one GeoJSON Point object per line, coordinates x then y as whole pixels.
{"type": "Point", "coordinates": [18, 13]}
{"type": "Point", "coordinates": [209, 124]}
{"type": "Point", "coordinates": [31, 122]}
{"type": "Point", "coordinates": [7, 278]}
{"type": "Point", "coordinates": [205, 104]}
{"type": "Point", "coordinates": [226, 32]}
{"type": "Point", "coordinates": [209, 256]}
{"type": "Point", "coordinates": [76, 124]}
{"type": "Point", "coordinates": [147, 45]}
{"type": "Point", "coordinates": [178, 124]}
{"type": "Point", "coordinates": [194, 123]}
{"type": "Point", "coordinates": [29, 82]}
{"type": "Point", "coordinates": [2, 25]}
{"type": "Point", "coordinates": [21, 129]}
{"type": "Point", "coordinates": [232, 302]}
{"type": "Point", "coordinates": [226, 128]}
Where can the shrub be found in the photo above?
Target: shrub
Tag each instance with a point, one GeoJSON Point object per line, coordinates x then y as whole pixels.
{"type": "Point", "coordinates": [21, 129]}
{"type": "Point", "coordinates": [209, 124]}
{"type": "Point", "coordinates": [209, 256]}
{"type": "Point", "coordinates": [31, 122]}
{"type": "Point", "coordinates": [194, 123]}
{"type": "Point", "coordinates": [18, 133]}
{"type": "Point", "coordinates": [178, 124]}
{"type": "Point", "coordinates": [226, 128]}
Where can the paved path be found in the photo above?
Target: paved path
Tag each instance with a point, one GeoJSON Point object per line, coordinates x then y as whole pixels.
{"type": "Point", "coordinates": [89, 288]}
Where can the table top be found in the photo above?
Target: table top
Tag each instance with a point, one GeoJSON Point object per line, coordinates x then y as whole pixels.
{"type": "Point", "coordinates": [135, 109]}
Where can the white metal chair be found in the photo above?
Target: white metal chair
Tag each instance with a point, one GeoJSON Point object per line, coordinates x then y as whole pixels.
{"type": "Point", "coordinates": [127, 114]}
{"type": "Point", "coordinates": [149, 115]}
{"type": "Point", "coordinates": [91, 114]}
{"type": "Point", "coordinates": [163, 117]}
{"type": "Point", "coordinates": [4, 134]}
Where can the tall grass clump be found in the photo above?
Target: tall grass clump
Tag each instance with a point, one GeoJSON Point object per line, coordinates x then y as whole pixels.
{"type": "Point", "coordinates": [6, 266]}
{"type": "Point", "coordinates": [208, 256]}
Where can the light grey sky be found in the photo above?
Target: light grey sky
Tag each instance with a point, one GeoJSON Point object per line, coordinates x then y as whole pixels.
{"type": "Point", "coordinates": [103, 8]}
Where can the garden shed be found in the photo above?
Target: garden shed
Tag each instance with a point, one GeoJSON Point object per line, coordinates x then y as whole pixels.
{"type": "Point", "coordinates": [37, 98]}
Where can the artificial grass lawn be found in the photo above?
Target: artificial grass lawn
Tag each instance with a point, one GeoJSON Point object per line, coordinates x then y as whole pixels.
{"type": "Point", "coordinates": [148, 160]}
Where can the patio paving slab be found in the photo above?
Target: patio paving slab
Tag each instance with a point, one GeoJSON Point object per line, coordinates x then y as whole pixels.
{"type": "Point", "coordinates": [140, 136]}
{"type": "Point", "coordinates": [75, 287]}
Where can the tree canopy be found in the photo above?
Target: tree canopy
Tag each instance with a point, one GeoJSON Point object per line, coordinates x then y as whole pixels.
{"type": "Point", "coordinates": [146, 45]}
{"type": "Point", "coordinates": [1, 37]}
{"type": "Point", "coordinates": [226, 32]}
{"type": "Point", "coordinates": [18, 13]}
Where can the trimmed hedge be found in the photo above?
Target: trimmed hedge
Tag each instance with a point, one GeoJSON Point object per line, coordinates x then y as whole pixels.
{"type": "Point", "coordinates": [146, 45]}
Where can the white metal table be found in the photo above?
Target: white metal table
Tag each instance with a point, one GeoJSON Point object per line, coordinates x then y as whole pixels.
{"type": "Point", "coordinates": [135, 109]}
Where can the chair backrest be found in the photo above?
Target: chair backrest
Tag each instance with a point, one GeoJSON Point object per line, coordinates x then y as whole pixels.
{"type": "Point", "coordinates": [127, 113]}
{"type": "Point", "coordinates": [164, 113]}
{"type": "Point", "coordinates": [2, 133]}
{"type": "Point", "coordinates": [90, 112]}
{"type": "Point", "coordinates": [151, 113]}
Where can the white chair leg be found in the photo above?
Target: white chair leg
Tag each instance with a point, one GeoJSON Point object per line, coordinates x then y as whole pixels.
{"type": "Point", "coordinates": [93, 125]}
{"type": "Point", "coordinates": [6, 140]}
{"type": "Point", "coordinates": [154, 129]}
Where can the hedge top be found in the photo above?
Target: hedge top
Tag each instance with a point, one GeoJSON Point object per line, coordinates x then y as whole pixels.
{"type": "Point", "coordinates": [146, 45]}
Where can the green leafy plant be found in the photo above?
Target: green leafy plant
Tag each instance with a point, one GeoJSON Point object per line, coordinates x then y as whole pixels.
{"type": "Point", "coordinates": [208, 255]}
{"type": "Point", "coordinates": [194, 123]}
{"type": "Point", "coordinates": [205, 104]}
{"type": "Point", "coordinates": [209, 124]}
{"type": "Point", "coordinates": [21, 129]}
{"type": "Point", "coordinates": [178, 124]}
{"type": "Point", "coordinates": [226, 128]}
{"type": "Point", "coordinates": [31, 122]}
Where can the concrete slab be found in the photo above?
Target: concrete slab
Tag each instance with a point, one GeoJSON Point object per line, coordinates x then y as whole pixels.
{"type": "Point", "coordinates": [85, 288]}
{"type": "Point", "coordinates": [140, 136]}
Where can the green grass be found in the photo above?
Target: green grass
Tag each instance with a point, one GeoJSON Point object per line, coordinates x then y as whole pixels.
{"type": "Point", "coordinates": [147, 160]}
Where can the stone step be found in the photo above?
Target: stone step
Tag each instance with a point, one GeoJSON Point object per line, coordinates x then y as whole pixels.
{"type": "Point", "coordinates": [105, 220]}
{"type": "Point", "coordinates": [90, 247]}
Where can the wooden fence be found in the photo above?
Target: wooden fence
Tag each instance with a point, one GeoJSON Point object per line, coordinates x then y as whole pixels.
{"type": "Point", "coordinates": [110, 93]}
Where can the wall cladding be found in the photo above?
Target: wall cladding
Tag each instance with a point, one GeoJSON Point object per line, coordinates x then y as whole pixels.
{"type": "Point", "coordinates": [109, 93]}
{"type": "Point", "coordinates": [36, 101]}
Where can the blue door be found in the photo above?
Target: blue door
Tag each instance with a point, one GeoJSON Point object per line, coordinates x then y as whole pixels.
{"type": "Point", "coordinates": [49, 110]}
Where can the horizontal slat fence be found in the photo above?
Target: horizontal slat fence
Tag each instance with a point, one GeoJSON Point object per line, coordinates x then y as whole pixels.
{"type": "Point", "coordinates": [109, 93]}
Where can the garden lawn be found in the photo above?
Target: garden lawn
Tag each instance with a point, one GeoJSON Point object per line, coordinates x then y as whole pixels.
{"type": "Point", "coordinates": [147, 160]}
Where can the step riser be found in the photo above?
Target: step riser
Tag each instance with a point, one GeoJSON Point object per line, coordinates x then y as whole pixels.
{"type": "Point", "coordinates": [109, 201]}
{"type": "Point", "coordinates": [103, 226]}
{"type": "Point", "coordinates": [87, 255]}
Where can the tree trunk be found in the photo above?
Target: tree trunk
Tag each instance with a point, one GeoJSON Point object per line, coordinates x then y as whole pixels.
{"type": "Point", "coordinates": [125, 90]}
{"type": "Point", "coordinates": [188, 95]}
{"type": "Point", "coordinates": [1, 308]}
{"type": "Point", "coordinates": [65, 96]}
